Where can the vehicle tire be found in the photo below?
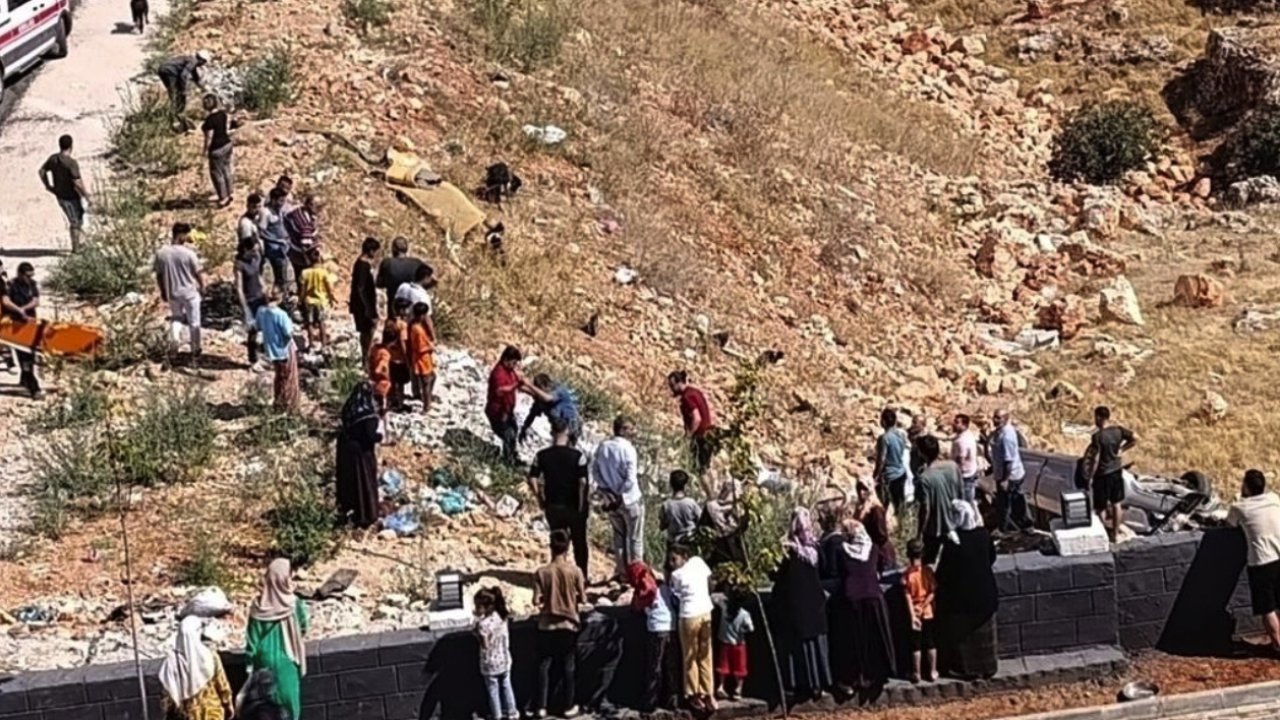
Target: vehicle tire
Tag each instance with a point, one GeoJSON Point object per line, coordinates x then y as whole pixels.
{"type": "Point", "coordinates": [1198, 482]}
{"type": "Point", "coordinates": [60, 45]}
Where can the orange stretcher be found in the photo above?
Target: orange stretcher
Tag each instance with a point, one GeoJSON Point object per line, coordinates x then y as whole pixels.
{"type": "Point", "coordinates": [51, 338]}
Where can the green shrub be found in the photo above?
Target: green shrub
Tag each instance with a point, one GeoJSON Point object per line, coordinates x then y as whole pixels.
{"type": "Point", "coordinates": [85, 404]}
{"type": "Point", "coordinates": [145, 139]}
{"type": "Point", "coordinates": [206, 565]}
{"type": "Point", "coordinates": [268, 83]}
{"type": "Point", "coordinates": [303, 521]}
{"type": "Point", "coordinates": [50, 514]}
{"type": "Point", "coordinates": [273, 427]}
{"type": "Point", "coordinates": [73, 467]}
{"type": "Point", "coordinates": [367, 14]}
{"type": "Point", "coordinates": [446, 321]}
{"type": "Point", "coordinates": [171, 441]}
{"type": "Point", "coordinates": [1100, 142]}
{"type": "Point", "coordinates": [345, 372]}
{"type": "Point", "coordinates": [117, 250]}
{"type": "Point", "coordinates": [1256, 146]}
{"type": "Point", "coordinates": [528, 32]}
{"type": "Point", "coordinates": [133, 334]}
{"type": "Point", "coordinates": [166, 29]}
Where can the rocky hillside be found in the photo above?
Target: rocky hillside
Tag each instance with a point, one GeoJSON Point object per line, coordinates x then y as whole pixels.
{"type": "Point", "coordinates": [855, 191]}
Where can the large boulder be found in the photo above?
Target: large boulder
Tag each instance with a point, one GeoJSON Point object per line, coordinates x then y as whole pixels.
{"type": "Point", "coordinates": [1065, 314]}
{"type": "Point", "coordinates": [1118, 302]}
{"type": "Point", "coordinates": [1198, 291]}
{"type": "Point", "coordinates": [1239, 74]}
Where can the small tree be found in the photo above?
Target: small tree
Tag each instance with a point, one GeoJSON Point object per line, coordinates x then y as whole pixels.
{"type": "Point", "coordinates": [1257, 145]}
{"type": "Point", "coordinates": [1100, 142]}
{"type": "Point", "coordinates": [268, 83]}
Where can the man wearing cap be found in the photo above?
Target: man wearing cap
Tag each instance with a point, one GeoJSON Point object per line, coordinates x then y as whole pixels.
{"type": "Point", "coordinates": [174, 74]}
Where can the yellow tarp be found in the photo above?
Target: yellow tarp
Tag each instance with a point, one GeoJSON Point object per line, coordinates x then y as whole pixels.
{"type": "Point", "coordinates": [446, 204]}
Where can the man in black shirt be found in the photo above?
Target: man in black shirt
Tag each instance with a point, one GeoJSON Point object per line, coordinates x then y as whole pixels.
{"type": "Point", "coordinates": [558, 479]}
{"type": "Point", "coordinates": [363, 300]}
{"type": "Point", "coordinates": [19, 303]}
{"type": "Point", "coordinates": [397, 269]}
{"type": "Point", "coordinates": [61, 176]}
{"type": "Point", "coordinates": [1106, 469]}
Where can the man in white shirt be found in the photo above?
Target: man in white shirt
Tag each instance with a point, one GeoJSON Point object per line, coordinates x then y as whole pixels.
{"type": "Point", "coordinates": [417, 292]}
{"type": "Point", "coordinates": [1257, 513]}
{"type": "Point", "coordinates": [1007, 469]}
{"type": "Point", "coordinates": [964, 453]}
{"type": "Point", "coordinates": [616, 471]}
{"type": "Point", "coordinates": [691, 585]}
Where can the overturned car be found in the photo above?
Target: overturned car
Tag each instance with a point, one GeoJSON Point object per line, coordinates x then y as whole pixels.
{"type": "Point", "coordinates": [1152, 503]}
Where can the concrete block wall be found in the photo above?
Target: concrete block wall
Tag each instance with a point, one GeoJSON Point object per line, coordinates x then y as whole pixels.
{"type": "Point", "coordinates": [1049, 604]}
{"type": "Point", "coordinates": [1183, 592]}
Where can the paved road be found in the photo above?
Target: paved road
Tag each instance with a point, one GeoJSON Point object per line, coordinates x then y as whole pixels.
{"type": "Point", "coordinates": [81, 95]}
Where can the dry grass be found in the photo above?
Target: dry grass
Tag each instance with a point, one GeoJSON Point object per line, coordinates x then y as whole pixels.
{"type": "Point", "coordinates": [1195, 351]}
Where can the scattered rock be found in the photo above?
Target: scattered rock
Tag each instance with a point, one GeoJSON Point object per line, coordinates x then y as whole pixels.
{"type": "Point", "coordinates": [1198, 291]}
{"type": "Point", "coordinates": [1064, 391]}
{"type": "Point", "coordinates": [1213, 407]}
{"type": "Point", "coordinates": [1065, 314]}
{"type": "Point", "coordinates": [1254, 190]}
{"type": "Point", "coordinates": [1119, 303]}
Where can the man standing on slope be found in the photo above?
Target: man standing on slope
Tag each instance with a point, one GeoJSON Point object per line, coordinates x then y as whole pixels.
{"type": "Point", "coordinates": [1106, 471]}
{"type": "Point", "coordinates": [1006, 467]}
{"type": "Point", "coordinates": [699, 421]}
{"type": "Point", "coordinates": [181, 284]}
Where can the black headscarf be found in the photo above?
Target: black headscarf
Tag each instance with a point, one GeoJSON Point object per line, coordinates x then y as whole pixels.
{"type": "Point", "coordinates": [360, 405]}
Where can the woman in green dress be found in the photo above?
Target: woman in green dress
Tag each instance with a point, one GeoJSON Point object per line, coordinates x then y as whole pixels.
{"type": "Point", "coordinates": [273, 642]}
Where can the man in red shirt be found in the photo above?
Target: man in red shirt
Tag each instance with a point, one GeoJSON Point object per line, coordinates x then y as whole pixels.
{"type": "Point", "coordinates": [699, 421]}
{"type": "Point", "coordinates": [504, 381]}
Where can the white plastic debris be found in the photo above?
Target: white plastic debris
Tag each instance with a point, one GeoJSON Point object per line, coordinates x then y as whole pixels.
{"type": "Point", "coordinates": [506, 506]}
{"type": "Point", "coordinates": [545, 134]}
{"type": "Point", "coordinates": [210, 602]}
{"type": "Point", "coordinates": [625, 275]}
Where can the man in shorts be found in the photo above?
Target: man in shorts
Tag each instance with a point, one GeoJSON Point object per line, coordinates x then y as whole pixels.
{"type": "Point", "coordinates": [1257, 513]}
{"type": "Point", "coordinates": [1107, 468]}
{"type": "Point", "coordinates": [61, 177]}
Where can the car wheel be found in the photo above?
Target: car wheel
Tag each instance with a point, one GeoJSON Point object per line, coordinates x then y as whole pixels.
{"type": "Point", "coordinates": [1198, 482]}
{"type": "Point", "coordinates": [60, 45]}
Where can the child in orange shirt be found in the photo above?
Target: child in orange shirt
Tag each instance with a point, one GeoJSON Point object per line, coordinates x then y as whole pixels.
{"type": "Point", "coordinates": [921, 584]}
{"type": "Point", "coordinates": [399, 354]}
{"type": "Point", "coordinates": [380, 366]}
{"type": "Point", "coordinates": [422, 362]}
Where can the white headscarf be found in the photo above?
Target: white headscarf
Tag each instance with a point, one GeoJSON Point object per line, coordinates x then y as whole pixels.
{"type": "Point", "coordinates": [857, 543]}
{"type": "Point", "coordinates": [966, 516]}
{"type": "Point", "coordinates": [189, 666]}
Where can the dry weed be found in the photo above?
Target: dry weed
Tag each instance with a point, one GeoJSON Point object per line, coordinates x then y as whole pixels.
{"type": "Point", "coordinates": [1194, 351]}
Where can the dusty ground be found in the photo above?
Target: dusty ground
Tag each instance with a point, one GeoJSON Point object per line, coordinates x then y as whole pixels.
{"type": "Point", "coordinates": [80, 95]}
{"type": "Point", "coordinates": [1173, 675]}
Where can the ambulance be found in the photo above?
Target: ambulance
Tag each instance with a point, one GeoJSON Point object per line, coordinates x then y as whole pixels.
{"type": "Point", "coordinates": [29, 31]}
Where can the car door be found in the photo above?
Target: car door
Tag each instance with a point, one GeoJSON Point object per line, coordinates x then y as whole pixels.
{"type": "Point", "coordinates": [26, 32]}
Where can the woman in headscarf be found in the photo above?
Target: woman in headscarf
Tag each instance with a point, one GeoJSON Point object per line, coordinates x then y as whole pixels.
{"type": "Point", "coordinates": [195, 686]}
{"type": "Point", "coordinates": [357, 463]}
{"type": "Point", "coordinates": [800, 608]}
{"type": "Point", "coordinates": [273, 641]}
{"type": "Point", "coordinates": [966, 600]}
{"type": "Point", "coordinates": [869, 644]}
{"type": "Point", "coordinates": [875, 519]}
